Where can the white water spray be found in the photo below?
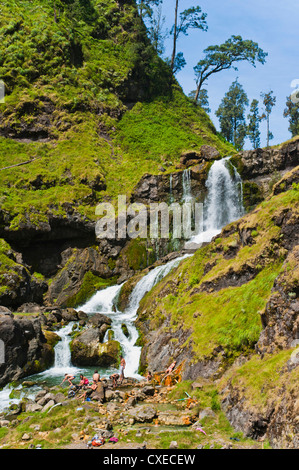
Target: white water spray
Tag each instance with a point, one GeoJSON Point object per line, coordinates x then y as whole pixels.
{"type": "Point", "coordinates": [224, 199]}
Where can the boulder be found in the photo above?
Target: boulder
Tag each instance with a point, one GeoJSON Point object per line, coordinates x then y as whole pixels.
{"type": "Point", "coordinates": [87, 349]}
{"type": "Point", "coordinates": [209, 153]}
{"type": "Point", "coordinates": [99, 393]}
{"type": "Point", "coordinates": [32, 407]}
{"type": "Point", "coordinates": [143, 414]}
{"type": "Point", "coordinates": [98, 319]}
{"type": "Point", "coordinates": [5, 310]}
{"type": "Point", "coordinates": [26, 349]}
{"type": "Point", "coordinates": [48, 405]}
{"type": "Point", "coordinates": [59, 397]}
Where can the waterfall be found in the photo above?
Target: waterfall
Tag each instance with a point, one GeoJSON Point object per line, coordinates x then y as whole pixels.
{"type": "Point", "coordinates": [104, 301]}
{"type": "Point", "coordinates": [62, 361]}
{"type": "Point", "coordinates": [224, 201]}
{"type": "Point", "coordinates": [148, 281]}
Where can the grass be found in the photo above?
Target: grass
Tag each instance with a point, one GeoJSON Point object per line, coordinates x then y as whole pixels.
{"type": "Point", "coordinates": [228, 318]}
{"type": "Point", "coordinates": [261, 380]}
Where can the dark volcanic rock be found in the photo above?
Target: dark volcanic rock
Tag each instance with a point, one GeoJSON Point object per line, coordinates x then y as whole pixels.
{"type": "Point", "coordinates": [25, 347]}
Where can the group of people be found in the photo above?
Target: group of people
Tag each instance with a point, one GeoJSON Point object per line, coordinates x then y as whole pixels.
{"type": "Point", "coordinates": [83, 384]}
{"type": "Point", "coordinates": [116, 379]}
{"type": "Point", "coordinates": [90, 388]}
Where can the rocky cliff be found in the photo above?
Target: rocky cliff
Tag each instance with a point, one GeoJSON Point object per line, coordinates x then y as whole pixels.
{"type": "Point", "coordinates": [25, 347]}
{"type": "Point", "coordinates": [230, 312]}
{"type": "Point", "coordinates": [262, 168]}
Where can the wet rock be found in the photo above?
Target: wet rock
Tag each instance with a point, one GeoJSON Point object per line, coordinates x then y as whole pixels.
{"type": "Point", "coordinates": [98, 319]}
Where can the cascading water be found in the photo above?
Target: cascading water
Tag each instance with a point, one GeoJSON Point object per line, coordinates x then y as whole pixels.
{"type": "Point", "coordinates": [62, 362]}
{"type": "Point", "coordinates": [223, 203]}
{"type": "Point", "coordinates": [105, 302]}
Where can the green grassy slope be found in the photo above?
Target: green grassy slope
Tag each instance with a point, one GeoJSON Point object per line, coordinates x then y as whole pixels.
{"type": "Point", "coordinates": [68, 83]}
{"type": "Point", "coordinates": [220, 292]}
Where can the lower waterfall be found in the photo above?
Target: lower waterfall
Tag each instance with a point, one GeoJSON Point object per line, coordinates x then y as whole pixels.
{"type": "Point", "coordinates": [105, 301]}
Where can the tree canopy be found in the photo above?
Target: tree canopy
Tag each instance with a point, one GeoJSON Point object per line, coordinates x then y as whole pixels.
{"type": "Point", "coordinates": [231, 115]}
{"type": "Point", "coordinates": [224, 56]}
{"type": "Point", "coordinates": [190, 18]}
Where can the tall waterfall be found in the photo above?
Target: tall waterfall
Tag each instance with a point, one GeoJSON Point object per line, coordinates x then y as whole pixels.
{"type": "Point", "coordinates": [224, 201]}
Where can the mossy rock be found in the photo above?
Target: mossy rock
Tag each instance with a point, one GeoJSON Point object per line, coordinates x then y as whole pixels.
{"type": "Point", "coordinates": [125, 330]}
{"type": "Point", "coordinates": [252, 195]}
{"type": "Point", "coordinates": [90, 285]}
{"type": "Point", "coordinates": [136, 254]}
{"type": "Point", "coordinates": [52, 338]}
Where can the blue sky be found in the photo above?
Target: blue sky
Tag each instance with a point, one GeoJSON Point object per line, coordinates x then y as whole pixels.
{"type": "Point", "coordinates": [273, 24]}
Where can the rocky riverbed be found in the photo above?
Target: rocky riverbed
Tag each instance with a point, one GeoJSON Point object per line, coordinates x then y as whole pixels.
{"type": "Point", "coordinates": [160, 414]}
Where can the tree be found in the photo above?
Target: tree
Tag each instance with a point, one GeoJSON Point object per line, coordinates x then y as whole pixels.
{"type": "Point", "coordinates": [145, 7]}
{"type": "Point", "coordinates": [231, 115]}
{"type": "Point", "coordinates": [202, 100]}
{"type": "Point", "coordinates": [156, 31]}
{"type": "Point", "coordinates": [269, 102]}
{"type": "Point", "coordinates": [222, 57]}
{"type": "Point", "coordinates": [189, 18]}
{"type": "Point", "coordinates": [253, 127]}
{"type": "Point", "coordinates": [292, 112]}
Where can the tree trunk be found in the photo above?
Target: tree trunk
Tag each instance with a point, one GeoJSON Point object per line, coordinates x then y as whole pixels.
{"type": "Point", "coordinates": [198, 90]}
{"type": "Point", "coordinates": [174, 34]}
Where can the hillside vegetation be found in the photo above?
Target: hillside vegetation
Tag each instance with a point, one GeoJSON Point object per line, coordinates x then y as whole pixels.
{"type": "Point", "coordinates": [90, 105]}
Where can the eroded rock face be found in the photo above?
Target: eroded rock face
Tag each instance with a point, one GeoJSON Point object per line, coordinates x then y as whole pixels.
{"type": "Point", "coordinates": [264, 161]}
{"type": "Point", "coordinates": [281, 316]}
{"type": "Point", "coordinates": [25, 347]}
